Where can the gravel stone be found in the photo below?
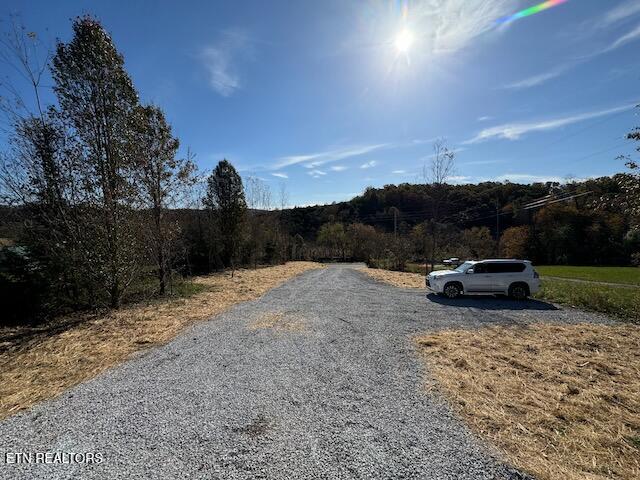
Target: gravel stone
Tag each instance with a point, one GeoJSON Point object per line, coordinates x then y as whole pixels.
{"type": "Point", "coordinates": [340, 396]}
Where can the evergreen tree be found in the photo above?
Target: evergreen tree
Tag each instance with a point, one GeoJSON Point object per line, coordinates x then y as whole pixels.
{"type": "Point", "coordinates": [225, 199]}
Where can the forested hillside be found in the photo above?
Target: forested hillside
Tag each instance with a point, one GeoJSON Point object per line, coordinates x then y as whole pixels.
{"type": "Point", "coordinates": [578, 222]}
{"type": "Point", "coordinates": [98, 208]}
{"type": "Point", "coordinates": [466, 205]}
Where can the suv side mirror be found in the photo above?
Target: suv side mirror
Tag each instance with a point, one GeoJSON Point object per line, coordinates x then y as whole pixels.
{"type": "Point", "coordinates": [470, 270]}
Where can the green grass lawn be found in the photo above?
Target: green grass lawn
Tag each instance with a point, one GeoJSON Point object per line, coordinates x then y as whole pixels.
{"type": "Point", "coordinates": [620, 302]}
{"type": "Point", "coordinates": [146, 288]}
{"type": "Point", "coordinates": [625, 275]}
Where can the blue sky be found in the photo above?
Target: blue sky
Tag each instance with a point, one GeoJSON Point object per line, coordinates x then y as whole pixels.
{"type": "Point", "coordinates": [324, 97]}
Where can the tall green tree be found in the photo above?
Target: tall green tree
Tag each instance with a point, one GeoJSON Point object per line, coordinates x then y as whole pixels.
{"type": "Point", "coordinates": [333, 238]}
{"type": "Point", "coordinates": [364, 241]}
{"type": "Point", "coordinates": [225, 199]}
{"type": "Point", "coordinates": [98, 99]}
{"type": "Point", "coordinates": [479, 242]}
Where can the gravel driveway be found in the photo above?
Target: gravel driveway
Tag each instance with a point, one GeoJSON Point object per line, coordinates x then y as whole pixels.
{"type": "Point", "coordinates": [317, 379]}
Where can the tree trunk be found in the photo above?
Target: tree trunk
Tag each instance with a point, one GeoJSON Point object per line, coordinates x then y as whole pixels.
{"type": "Point", "coordinates": [114, 294]}
{"type": "Point", "coordinates": [160, 245]}
{"type": "Point", "coordinates": [162, 274]}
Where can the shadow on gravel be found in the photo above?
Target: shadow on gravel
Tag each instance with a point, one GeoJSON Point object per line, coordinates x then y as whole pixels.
{"type": "Point", "coordinates": [491, 303]}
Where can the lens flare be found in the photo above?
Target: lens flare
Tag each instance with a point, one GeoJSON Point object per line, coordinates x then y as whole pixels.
{"type": "Point", "coordinates": [531, 11]}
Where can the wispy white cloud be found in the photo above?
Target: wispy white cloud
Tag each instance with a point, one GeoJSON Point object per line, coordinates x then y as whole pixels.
{"type": "Point", "coordinates": [484, 118]}
{"type": "Point", "coordinates": [544, 77]}
{"type": "Point", "coordinates": [313, 160]}
{"type": "Point", "coordinates": [513, 131]}
{"type": "Point", "coordinates": [632, 35]}
{"type": "Point", "coordinates": [422, 141]}
{"type": "Point", "coordinates": [399, 172]}
{"type": "Point", "coordinates": [369, 164]}
{"type": "Point", "coordinates": [527, 178]}
{"type": "Point", "coordinates": [459, 179]}
{"type": "Point", "coordinates": [539, 79]}
{"type": "Point", "coordinates": [450, 25]}
{"type": "Point", "coordinates": [280, 175]}
{"type": "Point", "coordinates": [532, 178]}
{"type": "Point", "coordinates": [221, 60]}
{"type": "Point", "coordinates": [621, 12]}
{"type": "Point", "coordinates": [624, 11]}
{"type": "Point", "coordinates": [317, 159]}
{"type": "Point", "coordinates": [482, 162]}
{"type": "Point", "coordinates": [316, 173]}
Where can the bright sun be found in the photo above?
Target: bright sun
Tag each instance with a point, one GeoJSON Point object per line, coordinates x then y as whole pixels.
{"type": "Point", "coordinates": [404, 40]}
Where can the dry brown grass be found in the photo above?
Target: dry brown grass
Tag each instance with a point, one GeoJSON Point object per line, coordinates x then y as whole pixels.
{"type": "Point", "coordinates": [397, 279]}
{"type": "Point", "coordinates": [279, 321]}
{"type": "Point", "coordinates": [47, 365]}
{"type": "Point", "coordinates": [562, 402]}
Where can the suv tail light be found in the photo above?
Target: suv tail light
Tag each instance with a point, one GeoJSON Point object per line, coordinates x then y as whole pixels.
{"type": "Point", "coordinates": [535, 274]}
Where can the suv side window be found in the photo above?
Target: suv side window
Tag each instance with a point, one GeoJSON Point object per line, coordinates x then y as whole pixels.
{"type": "Point", "coordinates": [506, 267]}
{"type": "Point", "coordinates": [480, 268]}
{"type": "Point", "coordinates": [494, 267]}
{"type": "Point", "coordinates": [514, 267]}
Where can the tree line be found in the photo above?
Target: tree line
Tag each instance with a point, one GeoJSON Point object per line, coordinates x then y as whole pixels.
{"type": "Point", "coordinates": [98, 208]}
{"type": "Point", "coordinates": [595, 224]}
{"type": "Point", "coordinates": [557, 234]}
{"type": "Point", "coordinates": [101, 204]}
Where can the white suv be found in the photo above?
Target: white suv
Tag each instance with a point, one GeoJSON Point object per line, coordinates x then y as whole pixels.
{"type": "Point", "coordinates": [515, 278]}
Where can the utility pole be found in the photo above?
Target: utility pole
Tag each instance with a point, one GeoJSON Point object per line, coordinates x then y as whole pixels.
{"type": "Point", "coordinates": [498, 227]}
{"type": "Point", "coordinates": [395, 222]}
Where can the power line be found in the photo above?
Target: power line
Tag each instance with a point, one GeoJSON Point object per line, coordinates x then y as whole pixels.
{"type": "Point", "coordinates": [571, 197]}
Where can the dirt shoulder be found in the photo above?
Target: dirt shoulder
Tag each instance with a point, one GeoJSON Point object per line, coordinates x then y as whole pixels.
{"type": "Point", "coordinates": [46, 365]}
{"type": "Point", "coordinates": [397, 279]}
{"type": "Point", "coordinates": [561, 401]}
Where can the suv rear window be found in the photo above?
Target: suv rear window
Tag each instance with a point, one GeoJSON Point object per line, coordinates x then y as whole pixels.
{"type": "Point", "coordinates": [505, 267]}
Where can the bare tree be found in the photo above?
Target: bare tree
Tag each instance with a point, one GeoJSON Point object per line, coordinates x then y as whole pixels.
{"type": "Point", "coordinates": [436, 173]}
{"type": "Point", "coordinates": [32, 131]}
{"type": "Point", "coordinates": [281, 232]}
{"type": "Point", "coordinates": [29, 58]}
{"type": "Point", "coordinates": [258, 196]}
{"type": "Point", "coordinates": [283, 195]}
{"type": "Point", "coordinates": [40, 169]}
{"type": "Point", "coordinates": [441, 165]}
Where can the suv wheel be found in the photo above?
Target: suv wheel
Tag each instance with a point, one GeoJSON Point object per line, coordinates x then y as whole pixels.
{"type": "Point", "coordinates": [518, 291]}
{"type": "Point", "coordinates": [452, 290]}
